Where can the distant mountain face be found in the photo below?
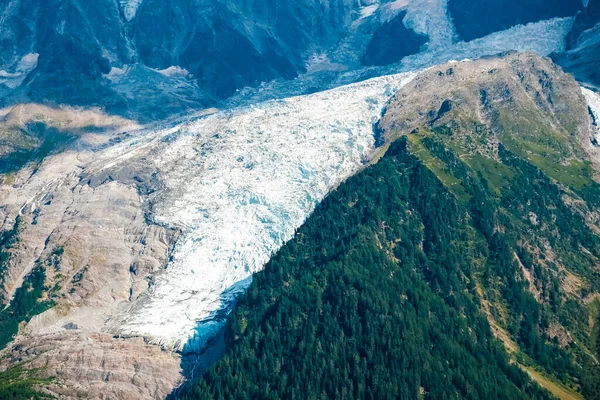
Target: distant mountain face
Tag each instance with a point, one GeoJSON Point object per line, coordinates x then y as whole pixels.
{"type": "Point", "coordinates": [224, 45]}
{"type": "Point", "coordinates": [585, 20]}
{"type": "Point", "coordinates": [159, 57]}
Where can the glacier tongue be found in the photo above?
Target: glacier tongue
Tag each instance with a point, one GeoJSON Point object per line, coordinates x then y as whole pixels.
{"type": "Point", "coordinates": [240, 183]}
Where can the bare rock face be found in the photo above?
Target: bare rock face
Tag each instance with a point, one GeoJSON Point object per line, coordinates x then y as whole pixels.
{"type": "Point", "coordinates": [476, 86]}
{"type": "Point", "coordinates": [493, 92]}
{"type": "Point", "coordinates": [99, 252]}
{"type": "Point", "coordinates": [96, 366]}
{"type": "Point", "coordinates": [108, 248]}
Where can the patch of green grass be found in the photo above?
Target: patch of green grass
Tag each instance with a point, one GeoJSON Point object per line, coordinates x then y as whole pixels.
{"type": "Point", "coordinates": [550, 149]}
{"type": "Point", "coordinates": [594, 311]}
{"type": "Point", "coordinates": [558, 389]}
{"type": "Point", "coordinates": [575, 174]}
{"type": "Point", "coordinates": [26, 303]}
{"type": "Point", "coordinates": [36, 143]}
{"type": "Point", "coordinates": [8, 179]}
{"type": "Point", "coordinates": [497, 174]}
{"type": "Point", "coordinates": [437, 167]}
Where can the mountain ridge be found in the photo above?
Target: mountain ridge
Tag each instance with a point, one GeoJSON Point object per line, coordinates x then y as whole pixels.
{"type": "Point", "coordinates": [528, 236]}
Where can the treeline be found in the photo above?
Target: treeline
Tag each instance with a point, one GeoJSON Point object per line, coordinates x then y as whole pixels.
{"type": "Point", "coordinates": [8, 239]}
{"type": "Point", "coordinates": [17, 383]}
{"type": "Point", "coordinates": [27, 300]}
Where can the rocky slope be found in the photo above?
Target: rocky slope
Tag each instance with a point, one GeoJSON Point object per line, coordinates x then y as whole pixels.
{"type": "Point", "coordinates": [96, 366]}
{"type": "Point", "coordinates": [97, 251]}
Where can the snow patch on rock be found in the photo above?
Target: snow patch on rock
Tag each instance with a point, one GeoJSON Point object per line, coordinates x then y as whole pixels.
{"type": "Point", "coordinates": [130, 8]}
{"type": "Point", "coordinates": [174, 72]}
{"type": "Point", "coordinates": [116, 73]}
{"type": "Point", "coordinates": [593, 100]}
{"type": "Point", "coordinates": [13, 79]}
{"type": "Point", "coordinates": [367, 11]}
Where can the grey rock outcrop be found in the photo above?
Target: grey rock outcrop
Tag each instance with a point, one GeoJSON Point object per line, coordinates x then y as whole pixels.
{"type": "Point", "coordinates": [482, 90]}
{"type": "Point", "coordinates": [100, 251]}
{"type": "Point", "coordinates": [96, 366]}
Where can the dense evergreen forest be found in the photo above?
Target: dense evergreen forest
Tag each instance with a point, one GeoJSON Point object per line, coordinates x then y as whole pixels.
{"type": "Point", "coordinates": [389, 289]}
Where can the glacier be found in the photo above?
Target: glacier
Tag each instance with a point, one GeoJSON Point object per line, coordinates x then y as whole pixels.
{"type": "Point", "coordinates": [335, 69]}
{"type": "Point", "coordinates": [238, 183]}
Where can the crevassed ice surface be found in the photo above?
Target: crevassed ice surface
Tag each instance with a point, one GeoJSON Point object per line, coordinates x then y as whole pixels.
{"type": "Point", "coordinates": [593, 100]}
{"type": "Point", "coordinates": [544, 37]}
{"type": "Point", "coordinates": [240, 183]}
